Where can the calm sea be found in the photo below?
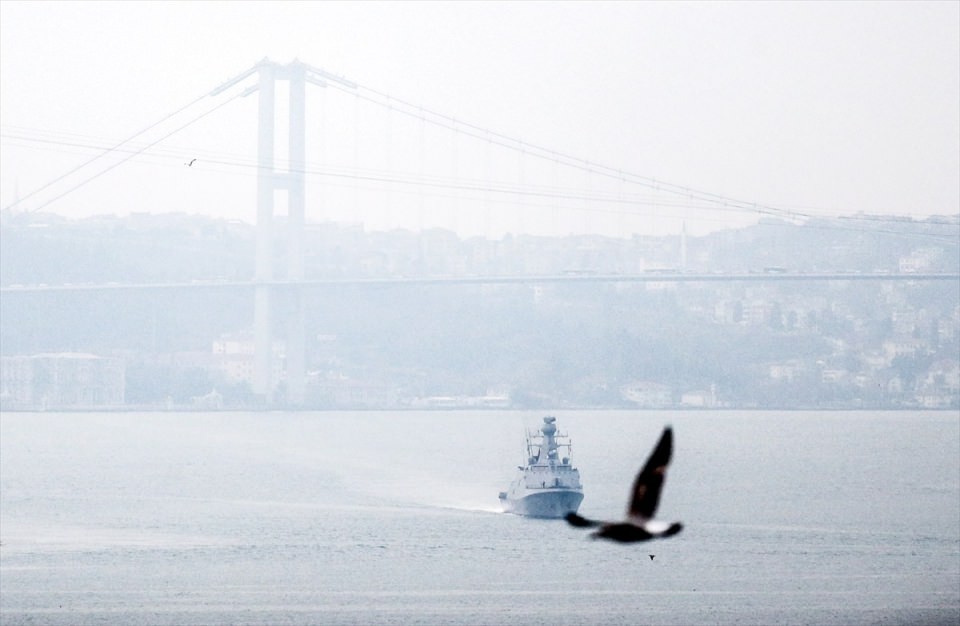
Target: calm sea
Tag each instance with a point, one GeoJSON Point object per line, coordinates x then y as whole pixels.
{"type": "Point", "coordinates": [392, 518]}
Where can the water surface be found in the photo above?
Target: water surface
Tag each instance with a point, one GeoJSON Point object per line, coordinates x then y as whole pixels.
{"type": "Point", "coordinates": [392, 518]}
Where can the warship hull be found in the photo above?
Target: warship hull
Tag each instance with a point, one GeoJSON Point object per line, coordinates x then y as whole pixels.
{"type": "Point", "coordinates": [545, 503]}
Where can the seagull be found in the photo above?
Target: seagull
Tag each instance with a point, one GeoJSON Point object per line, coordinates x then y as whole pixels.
{"type": "Point", "coordinates": [639, 525]}
{"type": "Point", "coordinates": [190, 163]}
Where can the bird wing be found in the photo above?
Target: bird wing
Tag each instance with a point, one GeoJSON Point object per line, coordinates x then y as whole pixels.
{"type": "Point", "coordinates": [580, 522]}
{"type": "Point", "coordinates": [646, 488]}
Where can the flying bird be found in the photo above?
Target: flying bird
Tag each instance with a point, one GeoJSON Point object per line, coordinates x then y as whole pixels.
{"type": "Point", "coordinates": [639, 525]}
{"type": "Point", "coordinates": [190, 163]}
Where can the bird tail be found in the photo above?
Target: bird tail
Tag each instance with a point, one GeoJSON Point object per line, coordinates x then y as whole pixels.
{"type": "Point", "coordinates": [580, 522]}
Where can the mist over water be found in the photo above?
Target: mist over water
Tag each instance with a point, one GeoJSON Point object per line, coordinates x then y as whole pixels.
{"type": "Point", "coordinates": [392, 518]}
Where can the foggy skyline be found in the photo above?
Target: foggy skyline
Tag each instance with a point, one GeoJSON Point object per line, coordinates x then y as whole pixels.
{"type": "Point", "coordinates": [807, 108]}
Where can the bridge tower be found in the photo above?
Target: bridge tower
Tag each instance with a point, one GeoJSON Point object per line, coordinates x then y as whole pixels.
{"type": "Point", "coordinates": [270, 180]}
{"type": "Point", "coordinates": [268, 296]}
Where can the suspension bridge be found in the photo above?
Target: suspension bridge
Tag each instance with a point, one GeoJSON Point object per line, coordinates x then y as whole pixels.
{"type": "Point", "coordinates": [481, 176]}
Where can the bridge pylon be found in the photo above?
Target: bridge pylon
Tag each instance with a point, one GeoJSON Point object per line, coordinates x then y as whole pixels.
{"type": "Point", "coordinates": [269, 181]}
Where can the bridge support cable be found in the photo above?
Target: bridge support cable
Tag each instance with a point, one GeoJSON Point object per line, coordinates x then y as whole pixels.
{"type": "Point", "coordinates": [686, 197]}
{"type": "Point", "coordinates": [105, 152]}
{"type": "Point", "coordinates": [130, 155]}
{"type": "Point", "coordinates": [617, 174]}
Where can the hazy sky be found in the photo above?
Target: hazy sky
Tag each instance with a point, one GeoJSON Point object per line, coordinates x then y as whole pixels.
{"type": "Point", "coordinates": [811, 107]}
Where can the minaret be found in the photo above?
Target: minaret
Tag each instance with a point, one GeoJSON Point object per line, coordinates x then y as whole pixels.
{"type": "Point", "coordinates": [683, 246]}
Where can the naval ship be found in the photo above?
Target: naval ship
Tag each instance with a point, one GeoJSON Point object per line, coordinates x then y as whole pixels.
{"type": "Point", "coordinates": [548, 485]}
